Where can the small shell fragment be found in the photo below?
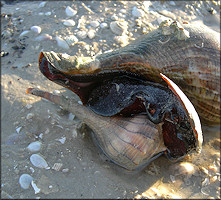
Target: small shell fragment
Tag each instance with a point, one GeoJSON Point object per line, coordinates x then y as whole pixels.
{"type": "Point", "coordinates": [34, 146]}
{"type": "Point", "coordinates": [91, 34]}
{"type": "Point", "coordinates": [94, 24]}
{"type": "Point", "coordinates": [69, 22]}
{"type": "Point", "coordinates": [119, 27]}
{"type": "Point", "coordinates": [137, 12]}
{"type": "Point", "coordinates": [82, 34]}
{"type": "Point", "coordinates": [71, 116]}
{"type": "Point", "coordinates": [29, 116]}
{"type": "Point", "coordinates": [61, 43]}
{"type": "Point", "coordinates": [25, 181]}
{"type": "Point", "coordinates": [38, 161]}
{"type": "Point", "coordinates": [48, 13]}
{"type": "Point", "coordinates": [36, 189]}
{"type": "Point", "coordinates": [18, 129]}
{"type": "Point", "coordinates": [70, 12]}
{"type": "Point", "coordinates": [36, 29]}
{"type": "Point", "coordinates": [24, 33]}
{"type": "Point", "coordinates": [28, 106]}
{"type": "Point", "coordinates": [71, 40]}
{"type": "Point", "coordinates": [42, 4]}
{"type": "Point", "coordinates": [103, 25]}
{"type": "Point", "coordinates": [62, 140]}
{"type": "Point", "coordinates": [57, 166]}
{"type": "Point", "coordinates": [74, 133]}
{"type": "Point", "coordinates": [43, 37]}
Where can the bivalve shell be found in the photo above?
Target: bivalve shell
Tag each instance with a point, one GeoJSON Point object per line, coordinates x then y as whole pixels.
{"type": "Point", "coordinates": [71, 40]}
{"type": "Point", "coordinates": [43, 37]}
{"type": "Point", "coordinates": [136, 12]}
{"type": "Point", "coordinates": [38, 161]}
{"type": "Point", "coordinates": [61, 43]}
{"type": "Point", "coordinates": [91, 34]}
{"type": "Point", "coordinates": [70, 12]}
{"type": "Point", "coordinates": [94, 24]}
{"type": "Point", "coordinates": [82, 34]}
{"type": "Point", "coordinates": [25, 181]}
{"type": "Point", "coordinates": [34, 146]}
{"type": "Point", "coordinates": [36, 29]}
{"type": "Point", "coordinates": [69, 22]}
{"type": "Point", "coordinates": [119, 27]}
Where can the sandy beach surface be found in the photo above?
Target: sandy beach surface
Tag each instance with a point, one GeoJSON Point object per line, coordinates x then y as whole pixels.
{"type": "Point", "coordinates": [72, 166]}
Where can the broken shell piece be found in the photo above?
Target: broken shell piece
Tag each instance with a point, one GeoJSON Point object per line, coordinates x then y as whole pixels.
{"type": "Point", "coordinates": [70, 12]}
{"type": "Point", "coordinates": [25, 181]}
{"type": "Point", "coordinates": [34, 146]}
{"type": "Point", "coordinates": [136, 12]}
{"type": "Point", "coordinates": [91, 34]}
{"type": "Point", "coordinates": [119, 27]}
{"type": "Point", "coordinates": [94, 24]}
{"type": "Point", "coordinates": [57, 166]}
{"type": "Point", "coordinates": [74, 133]}
{"type": "Point", "coordinates": [103, 25]}
{"type": "Point", "coordinates": [28, 106]}
{"type": "Point", "coordinates": [18, 129]}
{"type": "Point", "coordinates": [43, 37]}
{"type": "Point", "coordinates": [38, 161]}
{"type": "Point", "coordinates": [62, 140]}
{"type": "Point", "coordinates": [69, 22]}
{"type": "Point", "coordinates": [36, 189]}
{"type": "Point", "coordinates": [61, 43]}
{"type": "Point", "coordinates": [24, 33]}
{"type": "Point", "coordinates": [36, 29]}
{"type": "Point", "coordinates": [82, 34]}
{"type": "Point", "coordinates": [42, 4]}
{"type": "Point", "coordinates": [71, 40]}
{"type": "Point", "coordinates": [29, 116]}
{"type": "Point", "coordinates": [71, 116]}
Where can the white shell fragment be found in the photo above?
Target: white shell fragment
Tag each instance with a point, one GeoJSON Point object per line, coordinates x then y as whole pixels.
{"type": "Point", "coordinates": [69, 22]}
{"type": "Point", "coordinates": [70, 12]}
{"type": "Point", "coordinates": [36, 189]}
{"type": "Point", "coordinates": [71, 116]}
{"type": "Point", "coordinates": [91, 34]}
{"type": "Point", "coordinates": [137, 12]}
{"type": "Point", "coordinates": [82, 34]}
{"type": "Point", "coordinates": [61, 43]}
{"type": "Point", "coordinates": [42, 4]}
{"type": "Point", "coordinates": [38, 161]}
{"type": "Point", "coordinates": [36, 29]}
{"type": "Point", "coordinates": [62, 140]}
{"type": "Point", "coordinates": [71, 40]}
{"type": "Point", "coordinates": [119, 27]}
{"type": "Point", "coordinates": [34, 146]}
{"type": "Point", "coordinates": [18, 129]}
{"type": "Point", "coordinates": [94, 24]}
{"type": "Point", "coordinates": [74, 133]}
{"type": "Point", "coordinates": [48, 13]}
{"type": "Point", "coordinates": [29, 116]}
{"type": "Point", "coordinates": [25, 181]}
{"type": "Point", "coordinates": [57, 166]}
{"type": "Point", "coordinates": [103, 25]}
{"type": "Point", "coordinates": [43, 37]}
{"type": "Point", "coordinates": [24, 33]}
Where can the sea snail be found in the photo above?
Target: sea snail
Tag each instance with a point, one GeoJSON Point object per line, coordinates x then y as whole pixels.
{"type": "Point", "coordinates": [135, 110]}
